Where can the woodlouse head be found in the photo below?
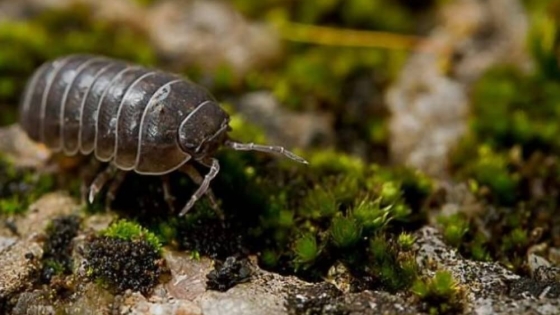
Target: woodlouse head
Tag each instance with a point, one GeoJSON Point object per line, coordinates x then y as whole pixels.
{"type": "Point", "coordinates": [203, 130]}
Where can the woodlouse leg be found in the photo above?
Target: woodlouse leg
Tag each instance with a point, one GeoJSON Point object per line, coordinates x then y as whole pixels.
{"type": "Point", "coordinates": [113, 188]}
{"type": "Point", "coordinates": [202, 189]}
{"type": "Point", "coordinates": [88, 174]}
{"type": "Point", "coordinates": [265, 148]}
{"type": "Point", "coordinates": [100, 180]}
{"type": "Point", "coordinates": [167, 195]}
{"type": "Point", "coordinates": [198, 179]}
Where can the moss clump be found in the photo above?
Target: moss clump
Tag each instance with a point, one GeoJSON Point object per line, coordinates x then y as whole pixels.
{"type": "Point", "coordinates": [345, 231]}
{"type": "Point", "coordinates": [131, 231]}
{"type": "Point", "coordinates": [302, 220]}
{"type": "Point", "coordinates": [20, 187]}
{"type": "Point", "coordinates": [440, 294]}
{"type": "Point", "coordinates": [125, 256]}
{"type": "Point", "coordinates": [305, 220]}
{"type": "Point", "coordinates": [57, 249]}
{"type": "Point", "coordinates": [393, 266]}
{"type": "Point", "coordinates": [299, 220]}
{"type": "Point", "coordinates": [120, 265]}
{"type": "Point", "coordinates": [306, 251]}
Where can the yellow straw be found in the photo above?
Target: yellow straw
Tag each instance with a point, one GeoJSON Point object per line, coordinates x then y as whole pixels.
{"type": "Point", "coordinates": [330, 36]}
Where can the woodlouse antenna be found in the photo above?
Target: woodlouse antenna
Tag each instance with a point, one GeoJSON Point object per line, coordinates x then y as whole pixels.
{"type": "Point", "coordinates": [264, 148]}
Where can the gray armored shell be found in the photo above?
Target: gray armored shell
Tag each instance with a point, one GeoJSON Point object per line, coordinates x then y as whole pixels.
{"type": "Point", "coordinates": [123, 113]}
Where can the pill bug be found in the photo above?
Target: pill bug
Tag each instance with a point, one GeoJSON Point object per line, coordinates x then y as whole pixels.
{"type": "Point", "coordinates": [133, 117]}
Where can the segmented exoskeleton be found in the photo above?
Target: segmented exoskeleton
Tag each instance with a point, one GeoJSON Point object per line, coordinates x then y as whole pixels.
{"type": "Point", "coordinates": [134, 117]}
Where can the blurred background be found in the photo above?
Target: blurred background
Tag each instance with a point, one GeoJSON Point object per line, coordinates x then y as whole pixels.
{"type": "Point", "coordinates": [382, 80]}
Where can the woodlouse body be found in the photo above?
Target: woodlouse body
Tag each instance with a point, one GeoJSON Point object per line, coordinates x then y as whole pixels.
{"type": "Point", "coordinates": [136, 118]}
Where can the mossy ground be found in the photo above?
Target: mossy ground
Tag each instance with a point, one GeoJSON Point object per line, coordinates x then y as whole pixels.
{"type": "Point", "coordinates": [510, 156]}
{"type": "Point", "coordinates": [20, 187]}
{"type": "Point", "coordinates": [342, 208]}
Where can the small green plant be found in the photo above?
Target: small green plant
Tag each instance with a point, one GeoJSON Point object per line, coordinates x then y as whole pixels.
{"type": "Point", "coordinates": [371, 215]}
{"type": "Point", "coordinates": [440, 294]}
{"type": "Point", "coordinates": [345, 231]}
{"type": "Point", "coordinates": [318, 204]}
{"type": "Point", "coordinates": [406, 241]}
{"type": "Point", "coordinates": [306, 250]}
{"type": "Point", "coordinates": [454, 228]}
{"type": "Point", "coordinates": [393, 267]}
{"type": "Point", "coordinates": [11, 205]}
{"type": "Point", "coordinates": [129, 231]}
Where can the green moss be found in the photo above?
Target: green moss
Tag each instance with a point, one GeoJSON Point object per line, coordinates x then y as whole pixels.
{"type": "Point", "coordinates": [129, 231]}
{"type": "Point", "coordinates": [509, 156]}
{"type": "Point", "coordinates": [307, 219]}
{"type": "Point", "coordinates": [20, 187]}
{"type": "Point", "coordinates": [406, 241]}
{"type": "Point", "coordinates": [393, 267]}
{"type": "Point", "coordinates": [345, 231]}
{"type": "Point", "coordinates": [306, 250]}
{"type": "Point", "coordinates": [300, 220]}
{"type": "Point", "coordinates": [509, 151]}
{"type": "Point", "coordinates": [544, 36]}
{"type": "Point", "coordinates": [319, 203]}
{"type": "Point", "coordinates": [371, 214]}
{"type": "Point", "coordinates": [454, 228]}
{"type": "Point", "coordinates": [440, 294]}
{"type": "Point", "coordinates": [119, 265]}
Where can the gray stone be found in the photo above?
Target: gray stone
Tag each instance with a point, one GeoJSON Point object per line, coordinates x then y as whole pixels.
{"type": "Point", "coordinates": [19, 264]}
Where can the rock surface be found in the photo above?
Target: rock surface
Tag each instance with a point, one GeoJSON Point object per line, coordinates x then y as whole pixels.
{"type": "Point", "coordinates": [489, 287]}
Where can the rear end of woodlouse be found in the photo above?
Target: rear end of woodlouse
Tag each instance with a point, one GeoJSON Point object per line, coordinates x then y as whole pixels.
{"type": "Point", "coordinates": [133, 117]}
